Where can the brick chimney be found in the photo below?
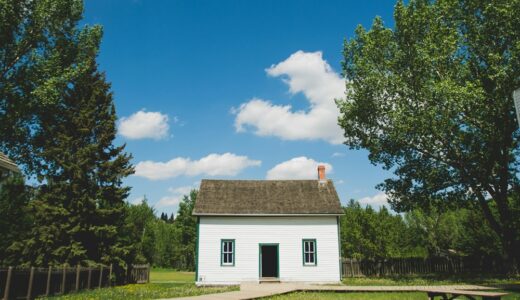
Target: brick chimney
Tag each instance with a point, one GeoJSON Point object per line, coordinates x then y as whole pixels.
{"type": "Point", "coordinates": [321, 173]}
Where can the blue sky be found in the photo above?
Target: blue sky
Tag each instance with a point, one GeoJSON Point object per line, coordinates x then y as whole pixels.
{"type": "Point", "coordinates": [232, 90]}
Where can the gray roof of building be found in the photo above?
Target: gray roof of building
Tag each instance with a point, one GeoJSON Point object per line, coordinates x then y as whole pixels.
{"type": "Point", "coordinates": [267, 197]}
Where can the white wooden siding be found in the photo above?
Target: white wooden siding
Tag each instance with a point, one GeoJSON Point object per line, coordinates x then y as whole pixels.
{"type": "Point", "coordinates": [249, 232]}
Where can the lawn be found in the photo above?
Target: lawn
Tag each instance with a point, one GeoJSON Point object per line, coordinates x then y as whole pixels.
{"type": "Point", "coordinates": [169, 275]}
{"type": "Point", "coordinates": [165, 283]}
{"type": "Point", "coordinates": [363, 296]}
{"type": "Point", "coordinates": [508, 285]}
{"type": "Point", "coordinates": [433, 280]}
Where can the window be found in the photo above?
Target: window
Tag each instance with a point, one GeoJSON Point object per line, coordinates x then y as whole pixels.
{"type": "Point", "coordinates": [227, 252]}
{"type": "Point", "coordinates": [309, 252]}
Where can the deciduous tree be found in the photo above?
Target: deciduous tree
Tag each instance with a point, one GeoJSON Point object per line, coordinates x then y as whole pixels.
{"type": "Point", "coordinates": [431, 100]}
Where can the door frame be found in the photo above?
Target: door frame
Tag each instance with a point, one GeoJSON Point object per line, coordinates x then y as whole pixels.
{"type": "Point", "coordinates": [260, 258]}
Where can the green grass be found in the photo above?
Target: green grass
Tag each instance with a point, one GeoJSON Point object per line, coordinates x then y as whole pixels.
{"type": "Point", "coordinates": [363, 296]}
{"type": "Point", "coordinates": [145, 291]}
{"type": "Point", "coordinates": [165, 283]}
{"type": "Point", "coordinates": [170, 275]}
{"type": "Point", "coordinates": [432, 280]}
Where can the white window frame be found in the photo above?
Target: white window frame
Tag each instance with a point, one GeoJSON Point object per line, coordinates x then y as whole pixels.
{"type": "Point", "coordinates": [226, 253]}
{"type": "Point", "coordinates": [310, 252]}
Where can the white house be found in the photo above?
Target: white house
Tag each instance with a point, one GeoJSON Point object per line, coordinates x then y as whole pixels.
{"type": "Point", "coordinates": [268, 230]}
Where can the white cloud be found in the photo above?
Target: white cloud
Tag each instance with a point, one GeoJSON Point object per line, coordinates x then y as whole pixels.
{"type": "Point", "coordinates": [307, 73]}
{"type": "Point", "coordinates": [227, 164]}
{"type": "Point", "coordinates": [297, 168]}
{"type": "Point", "coordinates": [338, 154]}
{"type": "Point", "coordinates": [379, 199]}
{"type": "Point", "coordinates": [144, 125]}
{"type": "Point", "coordinates": [137, 200]}
{"type": "Point", "coordinates": [176, 195]}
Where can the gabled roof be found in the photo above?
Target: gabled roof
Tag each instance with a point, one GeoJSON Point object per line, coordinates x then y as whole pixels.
{"type": "Point", "coordinates": [267, 197]}
{"type": "Point", "coordinates": [6, 163]}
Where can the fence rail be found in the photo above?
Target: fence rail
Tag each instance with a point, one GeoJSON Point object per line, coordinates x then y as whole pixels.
{"type": "Point", "coordinates": [417, 266]}
{"type": "Point", "coordinates": [28, 283]}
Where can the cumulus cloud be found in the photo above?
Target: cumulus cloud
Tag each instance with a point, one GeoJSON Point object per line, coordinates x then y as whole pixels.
{"type": "Point", "coordinates": [227, 164]}
{"type": "Point", "coordinates": [297, 168]}
{"type": "Point", "coordinates": [144, 125]}
{"type": "Point", "coordinates": [379, 199]}
{"type": "Point", "coordinates": [176, 195]}
{"type": "Point", "coordinates": [137, 200]}
{"type": "Point", "coordinates": [307, 73]}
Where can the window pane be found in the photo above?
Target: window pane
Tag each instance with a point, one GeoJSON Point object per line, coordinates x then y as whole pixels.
{"type": "Point", "coordinates": [307, 258]}
{"type": "Point", "coordinates": [231, 258]}
{"type": "Point", "coordinates": [311, 246]}
{"type": "Point", "coordinates": [225, 246]}
{"type": "Point", "coordinates": [311, 258]}
{"type": "Point", "coordinates": [306, 246]}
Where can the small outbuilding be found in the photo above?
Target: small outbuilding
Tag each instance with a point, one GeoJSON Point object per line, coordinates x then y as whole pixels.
{"type": "Point", "coordinates": [268, 230]}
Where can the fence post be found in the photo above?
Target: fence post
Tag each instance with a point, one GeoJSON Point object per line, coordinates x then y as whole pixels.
{"type": "Point", "coordinates": [77, 277]}
{"type": "Point", "coordinates": [89, 277]}
{"type": "Point", "coordinates": [48, 287]}
{"type": "Point", "coordinates": [148, 274]}
{"type": "Point", "coordinates": [8, 283]}
{"type": "Point", "coordinates": [63, 280]}
{"type": "Point", "coordinates": [100, 275]}
{"type": "Point", "coordinates": [110, 275]}
{"type": "Point", "coordinates": [30, 284]}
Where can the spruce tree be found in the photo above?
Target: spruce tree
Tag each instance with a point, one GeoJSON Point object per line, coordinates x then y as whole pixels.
{"type": "Point", "coordinates": [79, 210]}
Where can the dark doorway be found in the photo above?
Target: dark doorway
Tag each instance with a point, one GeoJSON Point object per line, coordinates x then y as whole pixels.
{"type": "Point", "coordinates": [269, 260]}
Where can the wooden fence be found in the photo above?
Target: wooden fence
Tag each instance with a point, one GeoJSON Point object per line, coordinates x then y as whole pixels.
{"type": "Point", "coordinates": [419, 266]}
{"type": "Point", "coordinates": [28, 283]}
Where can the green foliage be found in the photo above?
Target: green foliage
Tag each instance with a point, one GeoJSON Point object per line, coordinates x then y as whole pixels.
{"type": "Point", "coordinates": [15, 220]}
{"type": "Point", "coordinates": [370, 234]}
{"type": "Point", "coordinates": [438, 232]}
{"type": "Point", "coordinates": [186, 225]}
{"type": "Point", "coordinates": [431, 100]}
{"type": "Point", "coordinates": [160, 242]}
{"type": "Point", "coordinates": [79, 209]}
{"type": "Point", "coordinates": [57, 119]}
{"type": "Point", "coordinates": [366, 233]}
{"type": "Point", "coordinates": [40, 51]}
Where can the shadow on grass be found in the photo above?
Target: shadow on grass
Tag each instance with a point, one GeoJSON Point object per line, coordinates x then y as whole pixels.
{"type": "Point", "coordinates": [500, 281]}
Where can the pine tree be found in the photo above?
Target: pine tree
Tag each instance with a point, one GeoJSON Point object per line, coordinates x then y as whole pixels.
{"type": "Point", "coordinates": [79, 210]}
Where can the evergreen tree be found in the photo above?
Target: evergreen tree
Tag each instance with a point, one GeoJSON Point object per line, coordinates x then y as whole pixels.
{"type": "Point", "coordinates": [186, 225]}
{"type": "Point", "coordinates": [79, 210]}
{"type": "Point", "coordinates": [164, 217]}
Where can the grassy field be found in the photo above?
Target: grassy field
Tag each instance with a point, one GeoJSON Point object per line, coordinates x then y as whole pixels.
{"type": "Point", "coordinates": [164, 283]}
{"type": "Point", "coordinates": [169, 275]}
{"type": "Point", "coordinates": [363, 296]}
{"type": "Point", "coordinates": [433, 280]}
{"type": "Point", "coordinates": [508, 285]}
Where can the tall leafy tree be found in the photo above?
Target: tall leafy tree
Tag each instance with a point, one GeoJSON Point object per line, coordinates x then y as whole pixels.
{"type": "Point", "coordinates": [15, 221]}
{"type": "Point", "coordinates": [38, 43]}
{"type": "Point", "coordinates": [431, 100]}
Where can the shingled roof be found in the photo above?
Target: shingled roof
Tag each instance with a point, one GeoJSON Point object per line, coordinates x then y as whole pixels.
{"type": "Point", "coordinates": [8, 164]}
{"type": "Point", "coordinates": [267, 197]}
